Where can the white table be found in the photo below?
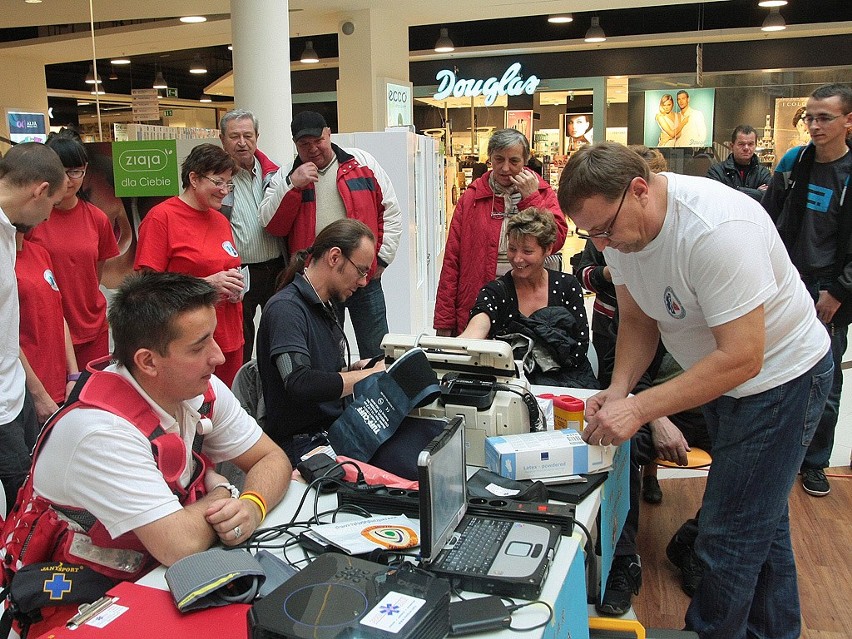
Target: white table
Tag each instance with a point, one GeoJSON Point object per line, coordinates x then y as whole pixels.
{"type": "Point", "coordinates": [553, 586]}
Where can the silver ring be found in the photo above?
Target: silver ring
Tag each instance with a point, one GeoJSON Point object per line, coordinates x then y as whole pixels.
{"type": "Point", "coordinates": [238, 532]}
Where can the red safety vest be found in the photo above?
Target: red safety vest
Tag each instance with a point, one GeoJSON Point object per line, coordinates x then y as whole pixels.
{"type": "Point", "coordinates": [35, 532]}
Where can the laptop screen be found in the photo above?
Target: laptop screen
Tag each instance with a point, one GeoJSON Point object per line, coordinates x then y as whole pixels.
{"type": "Point", "coordinates": [443, 493]}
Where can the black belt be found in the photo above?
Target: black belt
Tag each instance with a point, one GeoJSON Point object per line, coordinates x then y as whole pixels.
{"type": "Point", "coordinates": [269, 264]}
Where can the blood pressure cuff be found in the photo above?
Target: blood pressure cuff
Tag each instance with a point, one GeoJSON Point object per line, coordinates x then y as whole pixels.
{"type": "Point", "coordinates": [381, 403]}
{"type": "Point", "coordinates": [215, 577]}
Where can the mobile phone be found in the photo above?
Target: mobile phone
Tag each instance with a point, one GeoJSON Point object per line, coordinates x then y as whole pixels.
{"type": "Point", "coordinates": [565, 479]}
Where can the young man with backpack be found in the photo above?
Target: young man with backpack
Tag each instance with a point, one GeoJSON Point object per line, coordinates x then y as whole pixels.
{"type": "Point", "coordinates": [810, 203]}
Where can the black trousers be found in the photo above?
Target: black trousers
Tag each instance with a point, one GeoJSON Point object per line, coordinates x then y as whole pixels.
{"type": "Point", "coordinates": [263, 277]}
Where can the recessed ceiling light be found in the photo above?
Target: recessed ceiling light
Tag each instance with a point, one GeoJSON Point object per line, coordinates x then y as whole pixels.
{"type": "Point", "coordinates": [561, 18]}
{"type": "Point", "coordinates": [119, 61]}
{"type": "Point", "coordinates": [772, 3]}
{"type": "Point", "coordinates": [33, 1]}
{"type": "Point", "coordinates": [206, 98]}
{"type": "Point", "coordinates": [193, 19]}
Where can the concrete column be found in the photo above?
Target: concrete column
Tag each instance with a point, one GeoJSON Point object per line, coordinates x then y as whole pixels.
{"type": "Point", "coordinates": [377, 48]}
{"type": "Point", "coordinates": [260, 31]}
{"type": "Point", "coordinates": [20, 95]}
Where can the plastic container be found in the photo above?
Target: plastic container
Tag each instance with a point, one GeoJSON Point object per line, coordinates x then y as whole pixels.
{"type": "Point", "coordinates": [567, 411]}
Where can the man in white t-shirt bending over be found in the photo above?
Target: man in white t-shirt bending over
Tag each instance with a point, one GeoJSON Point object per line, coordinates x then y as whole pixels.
{"type": "Point", "coordinates": [702, 266]}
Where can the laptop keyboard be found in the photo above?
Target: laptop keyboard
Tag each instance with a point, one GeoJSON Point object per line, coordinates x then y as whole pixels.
{"type": "Point", "coordinates": [476, 546]}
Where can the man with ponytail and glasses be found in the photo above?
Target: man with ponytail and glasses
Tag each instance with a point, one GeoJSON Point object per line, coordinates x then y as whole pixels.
{"type": "Point", "coordinates": [302, 353]}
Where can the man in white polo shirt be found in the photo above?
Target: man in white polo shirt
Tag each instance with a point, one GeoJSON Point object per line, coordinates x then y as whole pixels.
{"type": "Point", "coordinates": [31, 181]}
{"type": "Point", "coordinates": [702, 266]}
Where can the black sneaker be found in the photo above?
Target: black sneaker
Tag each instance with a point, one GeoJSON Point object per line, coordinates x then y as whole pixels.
{"type": "Point", "coordinates": [815, 482]}
{"type": "Point", "coordinates": [624, 581]}
{"type": "Point", "coordinates": [683, 556]}
{"type": "Point", "coordinates": [651, 491]}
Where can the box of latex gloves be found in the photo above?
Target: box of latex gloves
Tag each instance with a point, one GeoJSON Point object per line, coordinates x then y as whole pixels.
{"type": "Point", "coordinates": [545, 454]}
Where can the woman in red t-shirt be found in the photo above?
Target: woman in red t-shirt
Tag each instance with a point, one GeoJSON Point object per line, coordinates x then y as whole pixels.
{"type": "Point", "coordinates": [51, 364]}
{"type": "Point", "coordinates": [188, 234]}
{"type": "Point", "coordinates": [79, 238]}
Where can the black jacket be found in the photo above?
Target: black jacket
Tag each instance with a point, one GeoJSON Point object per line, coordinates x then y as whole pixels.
{"type": "Point", "coordinates": [755, 175]}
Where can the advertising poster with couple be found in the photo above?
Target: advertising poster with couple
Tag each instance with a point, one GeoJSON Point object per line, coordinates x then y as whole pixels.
{"type": "Point", "coordinates": [682, 118]}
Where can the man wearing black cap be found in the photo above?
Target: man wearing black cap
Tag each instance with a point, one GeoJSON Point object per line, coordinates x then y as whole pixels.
{"type": "Point", "coordinates": [328, 183]}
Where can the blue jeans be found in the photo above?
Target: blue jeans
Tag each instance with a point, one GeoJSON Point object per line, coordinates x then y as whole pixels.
{"type": "Point", "coordinates": [749, 588]}
{"type": "Point", "coordinates": [819, 452]}
{"type": "Point", "coordinates": [368, 314]}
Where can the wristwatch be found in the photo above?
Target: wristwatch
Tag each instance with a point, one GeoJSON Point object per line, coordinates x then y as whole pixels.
{"type": "Point", "coordinates": [235, 492]}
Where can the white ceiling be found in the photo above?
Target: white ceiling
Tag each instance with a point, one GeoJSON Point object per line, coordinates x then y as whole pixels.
{"type": "Point", "coordinates": [307, 17]}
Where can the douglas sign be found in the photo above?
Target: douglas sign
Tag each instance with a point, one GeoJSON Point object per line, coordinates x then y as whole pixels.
{"type": "Point", "coordinates": [510, 84]}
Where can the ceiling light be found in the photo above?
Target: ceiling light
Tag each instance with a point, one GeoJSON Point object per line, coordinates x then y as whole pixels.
{"type": "Point", "coordinates": [90, 76]}
{"type": "Point", "coordinates": [560, 18]}
{"type": "Point", "coordinates": [444, 44]}
{"type": "Point", "coordinates": [33, 1]}
{"type": "Point", "coordinates": [774, 21]}
{"type": "Point", "coordinates": [97, 91]}
{"type": "Point", "coordinates": [160, 81]}
{"type": "Point", "coordinates": [595, 33]}
{"type": "Point", "coordinates": [230, 47]}
{"type": "Point", "coordinates": [197, 67]}
{"type": "Point", "coordinates": [771, 3]}
{"type": "Point", "coordinates": [193, 19]}
{"type": "Point", "coordinates": [206, 98]}
{"type": "Point", "coordinates": [309, 56]}
{"type": "Point", "coordinates": [112, 74]}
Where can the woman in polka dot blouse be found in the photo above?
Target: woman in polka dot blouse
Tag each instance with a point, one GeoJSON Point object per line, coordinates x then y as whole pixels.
{"type": "Point", "coordinates": [539, 311]}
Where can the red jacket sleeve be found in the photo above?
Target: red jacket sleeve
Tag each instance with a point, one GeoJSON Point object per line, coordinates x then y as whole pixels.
{"type": "Point", "coordinates": [446, 299]}
{"type": "Point", "coordinates": [285, 215]}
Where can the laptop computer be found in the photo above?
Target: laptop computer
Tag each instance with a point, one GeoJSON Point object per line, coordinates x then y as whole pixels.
{"type": "Point", "coordinates": [475, 553]}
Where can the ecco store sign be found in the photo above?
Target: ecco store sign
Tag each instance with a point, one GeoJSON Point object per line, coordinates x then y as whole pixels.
{"type": "Point", "coordinates": [510, 84]}
{"type": "Point", "coordinates": [399, 104]}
